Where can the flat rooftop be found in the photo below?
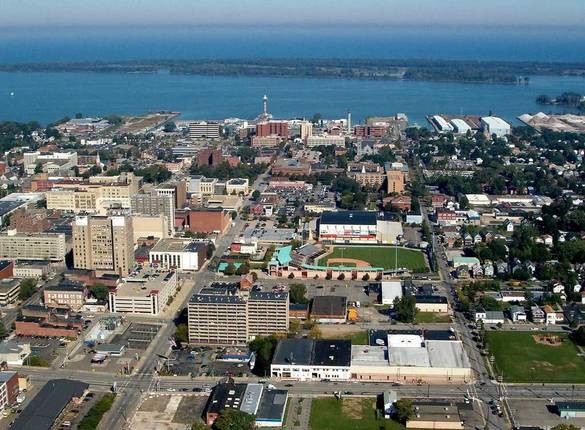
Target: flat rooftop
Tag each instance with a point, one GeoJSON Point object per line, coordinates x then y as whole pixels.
{"type": "Point", "coordinates": [366, 355]}
{"type": "Point", "coordinates": [334, 306]}
{"type": "Point", "coordinates": [177, 245]}
{"type": "Point", "coordinates": [349, 218]}
{"type": "Point", "coordinates": [272, 406]}
{"type": "Point", "coordinates": [143, 283]}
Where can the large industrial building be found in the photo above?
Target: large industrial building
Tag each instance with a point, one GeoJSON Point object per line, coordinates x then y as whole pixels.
{"type": "Point", "coordinates": [221, 314]}
{"type": "Point", "coordinates": [411, 356]}
{"type": "Point", "coordinates": [358, 227]}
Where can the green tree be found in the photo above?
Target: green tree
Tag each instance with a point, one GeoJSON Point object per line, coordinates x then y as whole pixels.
{"type": "Point", "coordinates": [564, 427]}
{"type": "Point", "coordinates": [243, 269]}
{"type": "Point", "coordinates": [405, 308]}
{"type": "Point", "coordinates": [199, 426]}
{"type": "Point", "coordinates": [403, 410]}
{"type": "Point", "coordinates": [315, 332]}
{"type": "Point", "coordinates": [255, 195]}
{"type": "Point", "coordinates": [230, 269]}
{"type": "Point", "coordinates": [36, 361]}
{"type": "Point", "coordinates": [233, 419]}
{"type": "Point", "coordinates": [263, 347]}
{"type": "Point", "coordinates": [3, 332]}
{"type": "Point", "coordinates": [27, 288]}
{"type": "Point", "coordinates": [100, 292]}
{"type": "Point", "coordinates": [294, 326]}
{"type": "Point", "coordinates": [169, 127]}
{"type": "Point", "coordinates": [579, 336]}
{"type": "Point", "coordinates": [298, 293]}
{"type": "Point", "coordinates": [182, 333]}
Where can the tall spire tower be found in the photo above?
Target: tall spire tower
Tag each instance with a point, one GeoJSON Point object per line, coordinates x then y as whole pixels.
{"type": "Point", "coordinates": [265, 104]}
{"type": "Point", "coordinates": [348, 120]}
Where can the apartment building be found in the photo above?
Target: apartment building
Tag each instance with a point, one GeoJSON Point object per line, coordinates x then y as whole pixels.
{"type": "Point", "coordinates": [221, 314]}
{"type": "Point", "coordinates": [68, 295]}
{"type": "Point", "coordinates": [103, 243]}
{"type": "Point", "coordinates": [39, 246]}
{"type": "Point", "coordinates": [146, 292]}
{"type": "Point", "coordinates": [395, 181]}
{"type": "Point", "coordinates": [176, 190]}
{"type": "Point", "coordinates": [152, 205]}
{"type": "Point", "coordinates": [366, 174]}
{"type": "Point", "coordinates": [267, 313]}
{"type": "Point", "coordinates": [204, 129]}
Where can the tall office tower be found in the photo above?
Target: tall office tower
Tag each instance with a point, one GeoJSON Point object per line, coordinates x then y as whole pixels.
{"type": "Point", "coordinates": [104, 244]}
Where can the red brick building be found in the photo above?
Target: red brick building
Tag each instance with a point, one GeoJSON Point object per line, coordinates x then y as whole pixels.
{"type": "Point", "coordinates": [364, 130]}
{"type": "Point", "coordinates": [209, 220]}
{"type": "Point", "coordinates": [48, 322]}
{"type": "Point", "coordinates": [6, 269]}
{"type": "Point", "coordinates": [400, 202]}
{"type": "Point", "coordinates": [272, 128]}
{"type": "Point", "coordinates": [8, 388]}
{"type": "Point", "coordinates": [209, 157]}
{"type": "Point", "coordinates": [30, 220]}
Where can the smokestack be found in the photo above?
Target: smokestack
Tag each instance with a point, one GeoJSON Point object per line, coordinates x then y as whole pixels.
{"type": "Point", "coordinates": [265, 104]}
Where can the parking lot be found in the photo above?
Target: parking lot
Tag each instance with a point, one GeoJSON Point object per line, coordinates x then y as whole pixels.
{"type": "Point", "coordinates": [136, 337]}
{"type": "Point", "coordinates": [539, 413]}
{"type": "Point", "coordinates": [45, 348]}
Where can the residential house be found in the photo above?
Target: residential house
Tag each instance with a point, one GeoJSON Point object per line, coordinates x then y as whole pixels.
{"type": "Point", "coordinates": [501, 267]}
{"type": "Point", "coordinates": [489, 317]}
{"type": "Point", "coordinates": [518, 313]}
{"type": "Point", "coordinates": [509, 226]}
{"type": "Point", "coordinates": [537, 314]}
{"type": "Point", "coordinates": [551, 315]}
{"type": "Point", "coordinates": [488, 269]}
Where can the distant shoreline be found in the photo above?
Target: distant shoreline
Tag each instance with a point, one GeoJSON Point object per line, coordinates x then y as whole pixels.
{"type": "Point", "coordinates": [483, 72]}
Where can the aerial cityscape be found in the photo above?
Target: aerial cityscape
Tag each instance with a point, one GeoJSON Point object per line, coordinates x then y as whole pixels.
{"type": "Point", "coordinates": [343, 215]}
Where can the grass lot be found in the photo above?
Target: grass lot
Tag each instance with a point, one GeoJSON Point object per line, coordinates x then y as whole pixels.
{"type": "Point", "coordinates": [431, 318]}
{"type": "Point", "coordinates": [522, 359]}
{"type": "Point", "coordinates": [348, 414]}
{"type": "Point", "coordinates": [357, 338]}
{"type": "Point", "coordinates": [382, 256]}
{"type": "Point", "coordinates": [93, 417]}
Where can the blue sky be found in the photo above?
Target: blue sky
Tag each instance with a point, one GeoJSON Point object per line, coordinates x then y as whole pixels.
{"type": "Point", "coordinates": [509, 13]}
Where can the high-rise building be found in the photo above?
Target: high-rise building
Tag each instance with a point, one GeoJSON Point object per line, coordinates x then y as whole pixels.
{"type": "Point", "coordinates": [306, 130]}
{"type": "Point", "coordinates": [154, 205]}
{"type": "Point", "coordinates": [272, 128]}
{"type": "Point", "coordinates": [221, 314]}
{"type": "Point", "coordinates": [104, 244]}
{"type": "Point", "coordinates": [203, 129]}
{"type": "Point", "coordinates": [395, 179]}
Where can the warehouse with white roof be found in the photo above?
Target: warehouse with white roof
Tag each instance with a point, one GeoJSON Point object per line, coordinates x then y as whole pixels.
{"type": "Point", "coordinates": [495, 125]}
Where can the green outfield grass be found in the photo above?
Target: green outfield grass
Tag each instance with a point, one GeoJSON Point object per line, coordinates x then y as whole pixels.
{"type": "Point", "coordinates": [381, 256]}
{"type": "Point", "coordinates": [522, 359]}
{"type": "Point", "coordinates": [357, 414]}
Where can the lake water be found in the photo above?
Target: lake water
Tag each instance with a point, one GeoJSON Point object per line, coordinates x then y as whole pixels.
{"type": "Point", "coordinates": [47, 97]}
